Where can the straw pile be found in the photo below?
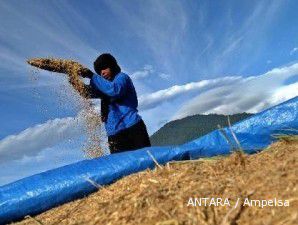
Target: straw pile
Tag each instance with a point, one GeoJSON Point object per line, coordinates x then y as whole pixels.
{"type": "Point", "coordinates": [161, 196]}
{"type": "Point", "coordinates": [75, 71]}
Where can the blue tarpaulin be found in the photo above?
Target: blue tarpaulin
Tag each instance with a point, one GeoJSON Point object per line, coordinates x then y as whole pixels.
{"type": "Point", "coordinates": [40, 192]}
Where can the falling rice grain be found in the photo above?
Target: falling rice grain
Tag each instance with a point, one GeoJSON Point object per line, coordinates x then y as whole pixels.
{"type": "Point", "coordinates": [75, 70]}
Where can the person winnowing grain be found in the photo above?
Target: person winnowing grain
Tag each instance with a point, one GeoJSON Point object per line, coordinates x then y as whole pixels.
{"type": "Point", "coordinates": [124, 126]}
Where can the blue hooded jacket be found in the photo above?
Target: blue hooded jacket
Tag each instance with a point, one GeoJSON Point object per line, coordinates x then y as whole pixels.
{"type": "Point", "coordinates": [123, 105]}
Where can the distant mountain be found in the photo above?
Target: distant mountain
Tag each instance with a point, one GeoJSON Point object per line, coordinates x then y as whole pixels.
{"type": "Point", "coordinates": [192, 127]}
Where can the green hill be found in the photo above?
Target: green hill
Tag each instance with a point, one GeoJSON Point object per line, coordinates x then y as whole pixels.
{"type": "Point", "coordinates": [191, 127]}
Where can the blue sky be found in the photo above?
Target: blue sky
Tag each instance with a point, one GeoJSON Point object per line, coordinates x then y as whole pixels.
{"type": "Point", "coordinates": [185, 57]}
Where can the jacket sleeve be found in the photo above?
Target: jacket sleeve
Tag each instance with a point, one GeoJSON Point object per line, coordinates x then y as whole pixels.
{"type": "Point", "coordinates": [114, 89]}
{"type": "Point", "coordinates": [92, 92]}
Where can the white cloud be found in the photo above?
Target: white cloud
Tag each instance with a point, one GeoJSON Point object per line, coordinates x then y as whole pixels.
{"type": "Point", "coordinates": [144, 73]}
{"type": "Point", "coordinates": [164, 76]}
{"type": "Point", "coordinates": [251, 94]}
{"type": "Point", "coordinates": [154, 99]}
{"type": "Point", "coordinates": [293, 51]}
{"type": "Point", "coordinates": [149, 68]}
{"type": "Point", "coordinates": [147, 71]}
{"type": "Point", "coordinates": [32, 140]}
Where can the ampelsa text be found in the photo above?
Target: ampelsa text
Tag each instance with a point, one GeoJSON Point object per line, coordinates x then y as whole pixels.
{"type": "Point", "coordinates": [265, 203]}
{"type": "Point", "coordinates": [208, 202]}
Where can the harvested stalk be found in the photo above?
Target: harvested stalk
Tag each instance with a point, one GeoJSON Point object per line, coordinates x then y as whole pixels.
{"type": "Point", "coordinates": [75, 71]}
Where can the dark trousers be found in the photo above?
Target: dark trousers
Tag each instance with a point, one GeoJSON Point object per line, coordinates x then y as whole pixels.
{"type": "Point", "coordinates": [134, 137]}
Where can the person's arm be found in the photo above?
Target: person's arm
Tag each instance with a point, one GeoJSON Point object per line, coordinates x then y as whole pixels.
{"type": "Point", "coordinates": [86, 91]}
{"type": "Point", "coordinates": [114, 89]}
{"type": "Point", "coordinates": [89, 91]}
{"type": "Point", "coordinates": [94, 93]}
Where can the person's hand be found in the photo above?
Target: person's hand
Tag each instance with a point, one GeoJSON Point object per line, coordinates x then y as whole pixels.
{"type": "Point", "coordinates": [86, 73]}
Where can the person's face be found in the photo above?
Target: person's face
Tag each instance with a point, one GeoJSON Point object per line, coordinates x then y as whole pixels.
{"type": "Point", "coordinates": [107, 74]}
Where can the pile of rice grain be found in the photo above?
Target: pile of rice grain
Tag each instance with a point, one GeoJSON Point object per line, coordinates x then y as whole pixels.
{"type": "Point", "coordinates": [161, 196]}
{"type": "Point", "coordinates": [75, 70]}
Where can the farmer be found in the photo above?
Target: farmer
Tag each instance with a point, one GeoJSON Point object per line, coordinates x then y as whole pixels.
{"type": "Point", "coordinates": [124, 126]}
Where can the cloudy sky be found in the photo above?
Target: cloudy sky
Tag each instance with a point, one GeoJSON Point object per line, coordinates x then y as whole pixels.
{"type": "Point", "coordinates": [185, 57]}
